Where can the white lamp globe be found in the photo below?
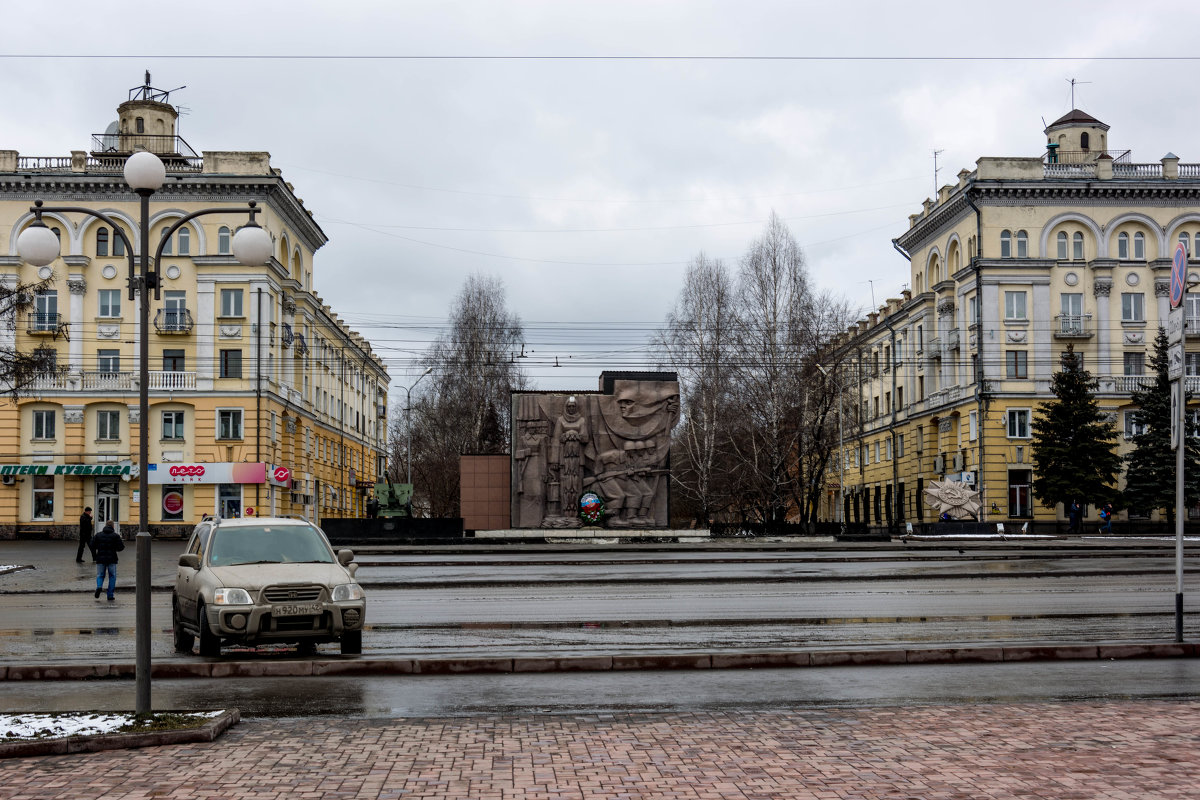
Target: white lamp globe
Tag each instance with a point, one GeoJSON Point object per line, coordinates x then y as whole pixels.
{"type": "Point", "coordinates": [252, 246]}
{"type": "Point", "coordinates": [37, 245]}
{"type": "Point", "coordinates": [145, 171]}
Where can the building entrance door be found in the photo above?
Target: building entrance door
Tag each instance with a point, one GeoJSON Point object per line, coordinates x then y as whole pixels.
{"type": "Point", "coordinates": [108, 504]}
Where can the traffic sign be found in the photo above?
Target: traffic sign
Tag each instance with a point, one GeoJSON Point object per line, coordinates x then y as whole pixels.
{"type": "Point", "coordinates": [1178, 275]}
{"type": "Point", "coordinates": [1175, 361]}
{"type": "Point", "coordinates": [1175, 324]}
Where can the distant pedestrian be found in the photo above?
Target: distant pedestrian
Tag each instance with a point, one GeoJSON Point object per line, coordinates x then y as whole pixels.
{"type": "Point", "coordinates": [85, 535]}
{"type": "Point", "coordinates": [1075, 515]}
{"type": "Point", "coordinates": [1106, 514]}
{"type": "Point", "coordinates": [106, 546]}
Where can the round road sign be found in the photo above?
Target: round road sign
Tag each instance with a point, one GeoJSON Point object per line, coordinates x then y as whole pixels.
{"type": "Point", "coordinates": [1178, 275]}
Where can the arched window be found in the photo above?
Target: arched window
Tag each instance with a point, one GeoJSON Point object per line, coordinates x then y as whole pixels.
{"type": "Point", "coordinates": [223, 241]}
{"type": "Point", "coordinates": [140, 125]}
{"type": "Point", "coordinates": [1187, 245]}
{"type": "Point", "coordinates": [1062, 245]}
{"type": "Point", "coordinates": [1022, 244]}
{"type": "Point", "coordinates": [185, 241]}
{"type": "Point", "coordinates": [102, 241]}
{"type": "Point", "coordinates": [166, 250]}
{"type": "Point", "coordinates": [1139, 246]}
{"type": "Point", "coordinates": [1083, 141]}
{"type": "Point", "coordinates": [1006, 244]}
{"type": "Point", "coordinates": [1123, 246]}
{"type": "Point", "coordinates": [1077, 247]}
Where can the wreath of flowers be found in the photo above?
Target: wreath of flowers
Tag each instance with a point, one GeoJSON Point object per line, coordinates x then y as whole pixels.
{"type": "Point", "coordinates": [591, 508]}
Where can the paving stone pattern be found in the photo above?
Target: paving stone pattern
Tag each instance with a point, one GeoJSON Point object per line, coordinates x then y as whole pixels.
{"type": "Point", "coordinates": [1072, 751]}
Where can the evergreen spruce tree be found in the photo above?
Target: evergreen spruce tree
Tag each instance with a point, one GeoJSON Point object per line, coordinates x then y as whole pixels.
{"type": "Point", "coordinates": [1073, 447]}
{"type": "Point", "coordinates": [1150, 468]}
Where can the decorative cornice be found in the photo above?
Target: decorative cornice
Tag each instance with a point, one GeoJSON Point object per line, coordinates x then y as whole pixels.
{"type": "Point", "coordinates": [1102, 288]}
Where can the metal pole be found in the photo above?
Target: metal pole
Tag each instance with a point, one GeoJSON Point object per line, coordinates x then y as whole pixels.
{"type": "Point", "coordinates": [841, 462]}
{"type": "Point", "coordinates": [142, 599]}
{"type": "Point", "coordinates": [1181, 446]}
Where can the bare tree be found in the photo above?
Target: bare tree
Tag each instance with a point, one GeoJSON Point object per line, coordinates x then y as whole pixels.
{"type": "Point", "coordinates": [465, 407]}
{"type": "Point", "coordinates": [18, 370]}
{"type": "Point", "coordinates": [772, 295]}
{"type": "Point", "coordinates": [697, 343]}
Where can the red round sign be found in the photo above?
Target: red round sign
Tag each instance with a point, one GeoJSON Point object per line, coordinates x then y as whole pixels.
{"type": "Point", "coordinates": [188, 471]}
{"type": "Point", "coordinates": [173, 502]}
{"type": "Point", "coordinates": [249, 511]}
{"type": "Point", "coordinates": [1178, 275]}
{"type": "Point", "coordinates": [282, 474]}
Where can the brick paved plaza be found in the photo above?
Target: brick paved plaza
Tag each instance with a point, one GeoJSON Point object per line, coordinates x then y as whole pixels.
{"type": "Point", "coordinates": [1088, 751]}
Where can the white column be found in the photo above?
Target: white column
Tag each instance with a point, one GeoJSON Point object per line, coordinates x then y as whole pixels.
{"type": "Point", "coordinates": [1102, 288]}
{"type": "Point", "coordinates": [206, 333]}
{"type": "Point", "coordinates": [78, 289]}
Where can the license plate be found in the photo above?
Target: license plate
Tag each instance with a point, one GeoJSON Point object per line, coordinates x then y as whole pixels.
{"type": "Point", "coordinates": [296, 610]}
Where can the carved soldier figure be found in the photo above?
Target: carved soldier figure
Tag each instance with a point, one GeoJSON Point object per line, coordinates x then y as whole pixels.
{"type": "Point", "coordinates": [571, 433]}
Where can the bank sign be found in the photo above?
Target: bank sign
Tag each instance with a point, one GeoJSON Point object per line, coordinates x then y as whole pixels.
{"type": "Point", "coordinates": [217, 472]}
{"type": "Point", "coordinates": [66, 469]}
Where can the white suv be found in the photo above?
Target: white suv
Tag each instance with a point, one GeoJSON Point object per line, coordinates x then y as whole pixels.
{"type": "Point", "coordinates": [265, 580]}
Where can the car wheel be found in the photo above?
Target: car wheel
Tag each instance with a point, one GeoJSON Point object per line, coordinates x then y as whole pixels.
{"type": "Point", "coordinates": [210, 643]}
{"type": "Point", "coordinates": [183, 640]}
{"type": "Point", "coordinates": [352, 643]}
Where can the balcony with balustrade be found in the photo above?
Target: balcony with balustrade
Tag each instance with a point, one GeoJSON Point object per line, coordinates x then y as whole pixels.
{"type": "Point", "coordinates": [173, 320]}
{"type": "Point", "coordinates": [41, 323]}
{"type": "Point", "coordinates": [169, 381]}
{"type": "Point", "coordinates": [1073, 326]}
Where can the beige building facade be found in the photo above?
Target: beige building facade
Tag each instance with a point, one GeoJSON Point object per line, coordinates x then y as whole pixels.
{"type": "Point", "coordinates": [262, 401]}
{"type": "Point", "coordinates": [1018, 260]}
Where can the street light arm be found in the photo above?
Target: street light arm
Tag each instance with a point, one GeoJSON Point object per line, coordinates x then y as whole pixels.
{"type": "Point", "coordinates": [38, 209]}
{"type": "Point", "coordinates": [179, 223]}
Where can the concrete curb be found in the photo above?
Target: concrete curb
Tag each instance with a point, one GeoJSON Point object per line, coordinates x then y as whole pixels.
{"type": "Point", "coordinates": [601, 663]}
{"type": "Point", "coordinates": [207, 732]}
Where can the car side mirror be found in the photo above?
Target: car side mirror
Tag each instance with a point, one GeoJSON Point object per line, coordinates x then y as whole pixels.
{"type": "Point", "coordinates": [345, 556]}
{"type": "Point", "coordinates": [190, 560]}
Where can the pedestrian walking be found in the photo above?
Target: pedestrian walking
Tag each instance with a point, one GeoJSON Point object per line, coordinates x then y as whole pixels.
{"type": "Point", "coordinates": [106, 546]}
{"type": "Point", "coordinates": [1075, 515]}
{"type": "Point", "coordinates": [85, 535]}
{"type": "Point", "coordinates": [1106, 514]}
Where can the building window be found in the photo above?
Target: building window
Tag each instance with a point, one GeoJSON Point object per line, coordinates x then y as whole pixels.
{"type": "Point", "coordinates": [118, 243]}
{"type": "Point", "coordinates": [43, 497]}
{"type": "Point", "coordinates": [173, 361]}
{"type": "Point", "coordinates": [1133, 424]}
{"type": "Point", "coordinates": [1061, 240]}
{"type": "Point", "coordinates": [108, 425]}
{"type": "Point", "coordinates": [1019, 493]}
{"type": "Point", "coordinates": [1139, 247]}
{"type": "Point", "coordinates": [166, 241]}
{"type": "Point", "coordinates": [229, 423]}
{"type": "Point", "coordinates": [1191, 364]}
{"type": "Point", "coordinates": [231, 363]}
{"type": "Point", "coordinates": [43, 424]}
{"type": "Point", "coordinates": [1018, 423]}
{"type": "Point", "coordinates": [1077, 247]}
{"type": "Point", "coordinates": [45, 310]}
{"type": "Point", "coordinates": [223, 241]}
{"type": "Point", "coordinates": [1017, 363]}
{"type": "Point", "coordinates": [231, 302]}
{"type": "Point", "coordinates": [185, 242]}
{"type": "Point", "coordinates": [973, 425]}
{"type": "Point", "coordinates": [1006, 244]}
{"type": "Point", "coordinates": [102, 241]}
{"type": "Point", "coordinates": [1014, 306]}
{"type": "Point", "coordinates": [110, 302]}
{"type": "Point", "coordinates": [888, 443]}
{"type": "Point", "coordinates": [172, 424]}
{"type": "Point", "coordinates": [1123, 246]}
{"type": "Point", "coordinates": [229, 500]}
{"type": "Point", "coordinates": [1022, 244]}
{"type": "Point", "coordinates": [1133, 307]}
{"type": "Point", "coordinates": [1135, 363]}
{"type": "Point", "coordinates": [108, 361]}
{"type": "Point", "coordinates": [900, 446]}
{"type": "Point", "coordinates": [1186, 242]}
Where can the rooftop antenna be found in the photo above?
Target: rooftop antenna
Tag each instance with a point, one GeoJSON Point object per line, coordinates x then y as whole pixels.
{"type": "Point", "coordinates": [936, 153]}
{"type": "Point", "coordinates": [1073, 82]}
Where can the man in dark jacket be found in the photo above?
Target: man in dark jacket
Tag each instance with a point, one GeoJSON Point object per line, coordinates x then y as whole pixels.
{"type": "Point", "coordinates": [105, 546]}
{"type": "Point", "coordinates": [85, 534]}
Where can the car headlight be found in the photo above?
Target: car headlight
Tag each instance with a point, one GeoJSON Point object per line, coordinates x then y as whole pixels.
{"type": "Point", "coordinates": [232, 597]}
{"type": "Point", "coordinates": [347, 591]}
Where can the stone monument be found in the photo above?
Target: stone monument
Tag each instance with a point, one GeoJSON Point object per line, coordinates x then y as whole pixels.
{"type": "Point", "coordinates": [615, 443]}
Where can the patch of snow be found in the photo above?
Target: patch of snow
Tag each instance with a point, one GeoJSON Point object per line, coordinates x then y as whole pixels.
{"type": "Point", "coordinates": [56, 726]}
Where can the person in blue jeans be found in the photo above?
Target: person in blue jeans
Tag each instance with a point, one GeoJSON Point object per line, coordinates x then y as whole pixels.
{"type": "Point", "coordinates": [106, 544]}
{"type": "Point", "coordinates": [1106, 514]}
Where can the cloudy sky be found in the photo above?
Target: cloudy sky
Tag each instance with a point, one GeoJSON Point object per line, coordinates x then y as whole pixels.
{"type": "Point", "coordinates": [585, 152]}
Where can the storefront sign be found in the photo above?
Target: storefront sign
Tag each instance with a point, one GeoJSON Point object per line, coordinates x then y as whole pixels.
{"type": "Point", "coordinates": [279, 476]}
{"type": "Point", "coordinates": [66, 469]}
{"type": "Point", "coordinates": [172, 503]}
{"type": "Point", "coordinates": [218, 472]}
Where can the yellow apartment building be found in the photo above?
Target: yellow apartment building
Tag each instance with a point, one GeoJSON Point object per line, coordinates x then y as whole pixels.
{"type": "Point", "coordinates": [262, 401]}
{"type": "Point", "coordinates": [1019, 259]}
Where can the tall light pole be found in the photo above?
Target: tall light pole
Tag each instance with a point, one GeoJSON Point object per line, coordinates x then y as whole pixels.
{"type": "Point", "coordinates": [408, 421]}
{"type": "Point", "coordinates": [144, 173]}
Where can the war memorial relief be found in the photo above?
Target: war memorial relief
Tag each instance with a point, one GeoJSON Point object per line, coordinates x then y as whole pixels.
{"type": "Point", "coordinates": [586, 457]}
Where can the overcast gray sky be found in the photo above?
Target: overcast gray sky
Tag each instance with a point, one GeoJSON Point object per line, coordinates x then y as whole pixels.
{"type": "Point", "coordinates": [616, 140]}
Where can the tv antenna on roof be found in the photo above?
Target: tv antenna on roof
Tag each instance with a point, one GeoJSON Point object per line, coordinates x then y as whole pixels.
{"type": "Point", "coordinates": [936, 153]}
{"type": "Point", "coordinates": [1073, 82]}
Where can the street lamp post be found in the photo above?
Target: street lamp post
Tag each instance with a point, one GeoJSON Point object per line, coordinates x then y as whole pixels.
{"type": "Point", "coordinates": [408, 421]}
{"type": "Point", "coordinates": [144, 173]}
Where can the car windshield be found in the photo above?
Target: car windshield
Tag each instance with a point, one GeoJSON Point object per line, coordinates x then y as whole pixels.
{"type": "Point", "coordinates": [268, 544]}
